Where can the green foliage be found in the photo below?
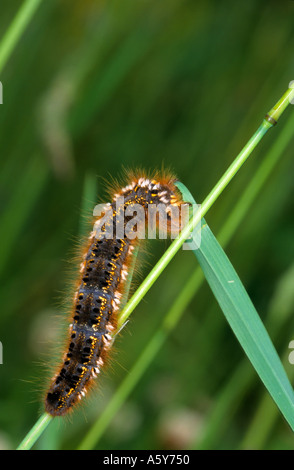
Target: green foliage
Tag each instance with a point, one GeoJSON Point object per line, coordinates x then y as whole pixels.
{"type": "Point", "coordinates": [90, 86]}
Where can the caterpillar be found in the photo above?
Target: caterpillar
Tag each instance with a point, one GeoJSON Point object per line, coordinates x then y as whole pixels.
{"type": "Point", "coordinates": [100, 285]}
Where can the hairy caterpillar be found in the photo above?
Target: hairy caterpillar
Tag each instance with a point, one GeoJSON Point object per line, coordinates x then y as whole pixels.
{"type": "Point", "coordinates": [103, 274]}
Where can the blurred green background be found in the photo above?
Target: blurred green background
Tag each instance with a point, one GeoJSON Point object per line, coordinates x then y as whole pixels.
{"type": "Point", "coordinates": [98, 84]}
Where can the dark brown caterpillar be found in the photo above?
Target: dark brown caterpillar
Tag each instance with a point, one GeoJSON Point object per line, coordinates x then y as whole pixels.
{"type": "Point", "coordinates": [104, 270]}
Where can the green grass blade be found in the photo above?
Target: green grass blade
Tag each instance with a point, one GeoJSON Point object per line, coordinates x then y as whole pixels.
{"type": "Point", "coordinates": [16, 29]}
{"type": "Point", "coordinates": [35, 432]}
{"type": "Point", "coordinates": [243, 318]}
{"type": "Point", "coordinates": [189, 290]}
